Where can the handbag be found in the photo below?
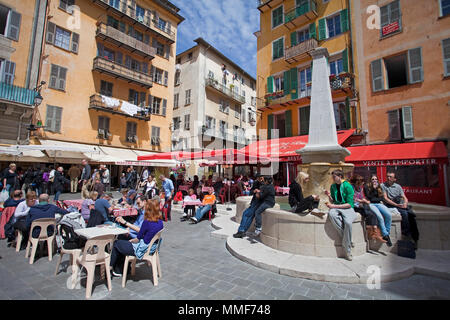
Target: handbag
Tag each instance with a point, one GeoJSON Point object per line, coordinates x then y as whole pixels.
{"type": "Point", "coordinates": [406, 249]}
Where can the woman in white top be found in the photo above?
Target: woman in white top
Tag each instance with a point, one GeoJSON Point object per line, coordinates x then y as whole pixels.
{"type": "Point", "coordinates": [20, 215]}
{"type": "Point", "coordinates": [149, 187]}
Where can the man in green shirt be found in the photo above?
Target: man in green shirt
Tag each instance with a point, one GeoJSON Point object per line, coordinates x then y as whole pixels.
{"type": "Point", "coordinates": [341, 211]}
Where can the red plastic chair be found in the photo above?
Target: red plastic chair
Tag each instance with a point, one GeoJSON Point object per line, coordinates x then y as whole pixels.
{"type": "Point", "coordinates": [222, 195]}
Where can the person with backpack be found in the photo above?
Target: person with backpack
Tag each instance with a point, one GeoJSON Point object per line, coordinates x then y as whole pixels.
{"type": "Point", "coordinates": [45, 181]}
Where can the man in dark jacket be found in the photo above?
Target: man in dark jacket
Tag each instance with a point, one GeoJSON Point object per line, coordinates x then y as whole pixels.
{"type": "Point", "coordinates": [59, 182]}
{"type": "Point", "coordinates": [267, 200]}
{"type": "Point", "coordinates": [39, 211]}
{"type": "Point", "coordinates": [249, 213]}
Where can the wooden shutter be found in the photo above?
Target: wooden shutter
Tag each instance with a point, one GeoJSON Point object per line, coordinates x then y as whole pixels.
{"type": "Point", "coordinates": [164, 107]}
{"type": "Point", "coordinates": [62, 78]}
{"type": "Point", "coordinates": [407, 120]}
{"type": "Point", "coordinates": [415, 65]}
{"type": "Point", "coordinates": [128, 62]}
{"type": "Point", "coordinates": [119, 57]}
{"type": "Point", "coordinates": [446, 55]}
{"type": "Point", "coordinates": [345, 60]}
{"type": "Point", "coordinates": [269, 125]}
{"type": "Point", "coordinates": [377, 75]}
{"type": "Point", "coordinates": [129, 131]}
{"type": "Point", "coordinates": [269, 84]}
{"type": "Point", "coordinates": [49, 119]}
{"type": "Point", "coordinates": [344, 20]}
{"type": "Point", "coordinates": [166, 77]}
{"type": "Point", "coordinates": [14, 25]}
{"type": "Point", "coordinates": [99, 49]}
{"type": "Point", "coordinates": [57, 122]}
{"type": "Point", "coordinates": [288, 123]}
{"type": "Point", "coordinates": [167, 49]}
{"type": "Point", "coordinates": [51, 30]}
{"type": "Point", "coordinates": [322, 29]}
{"type": "Point", "coordinates": [146, 39]}
{"type": "Point", "coordinates": [54, 76]}
{"type": "Point", "coordinates": [304, 120]}
{"type": "Point", "coordinates": [384, 16]}
{"type": "Point", "coordinates": [142, 99]}
{"type": "Point", "coordinates": [294, 83]}
{"type": "Point", "coordinates": [145, 67]}
{"type": "Point", "coordinates": [8, 72]}
{"type": "Point", "coordinates": [294, 38]}
{"type": "Point", "coordinates": [286, 82]}
{"type": "Point", "coordinates": [131, 96]}
{"type": "Point", "coordinates": [75, 42]}
{"type": "Point", "coordinates": [150, 102]}
{"type": "Point", "coordinates": [312, 31]}
{"type": "Point", "coordinates": [394, 125]}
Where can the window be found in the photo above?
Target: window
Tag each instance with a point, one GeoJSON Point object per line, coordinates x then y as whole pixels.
{"type": "Point", "coordinates": [187, 97]}
{"type": "Point", "coordinates": [65, 4]}
{"type": "Point", "coordinates": [390, 18]}
{"type": "Point", "coordinates": [304, 120]}
{"type": "Point", "coordinates": [253, 101]}
{"type": "Point", "coordinates": [341, 115]}
{"type": "Point", "coordinates": [210, 123]}
{"type": "Point", "coordinates": [279, 122]}
{"type": "Point", "coordinates": [302, 35]}
{"type": "Point", "coordinates": [157, 75]}
{"type": "Point", "coordinates": [402, 69]}
{"type": "Point", "coordinates": [424, 176]}
{"type": "Point", "coordinates": [7, 69]}
{"type": "Point", "coordinates": [277, 16]}
{"type": "Point", "coordinates": [159, 48]}
{"type": "Point", "coordinates": [210, 74]}
{"type": "Point", "coordinates": [223, 127]}
{"type": "Point", "coordinates": [224, 106]}
{"type": "Point", "coordinates": [187, 121]}
{"type": "Point", "coordinates": [57, 77]}
{"type": "Point", "coordinates": [9, 23]}
{"type": "Point", "coordinates": [177, 77]}
{"type": "Point", "coordinates": [278, 83]}
{"type": "Point", "coordinates": [176, 123]}
{"type": "Point", "coordinates": [109, 54]}
{"type": "Point", "coordinates": [305, 79]}
{"type": "Point", "coordinates": [237, 111]}
{"type": "Point", "coordinates": [235, 133]}
{"type": "Point", "coordinates": [444, 6]}
{"type": "Point", "coordinates": [278, 49]}
{"type": "Point", "coordinates": [156, 105]}
{"type": "Point", "coordinates": [106, 88]}
{"type": "Point", "coordinates": [334, 26]}
{"type": "Point", "coordinates": [136, 98]}
{"type": "Point", "coordinates": [176, 98]}
{"type": "Point", "coordinates": [155, 139]}
{"type": "Point", "coordinates": [131, 134]}
{"type": "Point", "coordinates": [140, 12]}
{"type": "Point", "coordinates": [446, 55]}
{"type": "Point", "coordinates": [162, 24]}
{"type": "Point", "coordinates": [103, 127]}
{"type": "Point", "coordinates": [53, 119]}
{"type": "Point", "coordinates": [400, 124]}
{"type": "Point", "coordinates": [115, 4]}
{"type": "Point", "coordinates": [336, 67]}
{"type": "Point", "coordinates": [62, 38]}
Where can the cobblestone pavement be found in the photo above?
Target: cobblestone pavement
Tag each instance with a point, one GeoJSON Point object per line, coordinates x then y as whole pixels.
{"type": "Point", "coordinates": [195, 266]}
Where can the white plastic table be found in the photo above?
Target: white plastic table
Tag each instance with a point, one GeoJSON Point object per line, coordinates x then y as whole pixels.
{"type": "Point", "coordinates": [92, 232]}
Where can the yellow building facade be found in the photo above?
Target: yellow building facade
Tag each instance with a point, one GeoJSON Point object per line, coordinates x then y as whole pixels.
{"type": "Point", "coordinates": [289, 29]}
{"type": "Point", "coordinates": [109, 72]}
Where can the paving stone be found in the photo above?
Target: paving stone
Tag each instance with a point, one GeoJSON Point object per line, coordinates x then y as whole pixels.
{"type": "Point", "coordinates": [225, 286]}
{"type": "Point", "coordinates": [279, 294]}
{"type": "Point", "coordinates": [274, 283]}
{"type": "Point", "coordinates": [355, 296]}
{"type": "Point", "coordinates": [318, 295]}
{"type": "Point", "coordinates": [299, 297]}
{"type": "Point", "coordinates": [241, 282]}
{"type": "Point", "coordinates": [241, 292]}
{"type": "Point", "coordinates": [259, 288]}
{"type": "Point", "coordinates": [221, 295]}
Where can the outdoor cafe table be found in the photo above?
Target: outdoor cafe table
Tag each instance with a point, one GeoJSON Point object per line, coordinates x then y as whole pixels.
{"type": "Point", "coordinates": [75, 203]}
{"type": "Point", "coordinates": [123, 212]}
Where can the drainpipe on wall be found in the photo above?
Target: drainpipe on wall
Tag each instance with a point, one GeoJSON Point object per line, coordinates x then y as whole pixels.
{"type": "Point", "coordinates": [20, 125]}
{"type": "Point", "coordinates": [357, 112]}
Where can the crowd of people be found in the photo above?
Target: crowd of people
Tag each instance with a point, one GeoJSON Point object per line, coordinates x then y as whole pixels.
{"type": "Point", "coordinates": [29, 194]}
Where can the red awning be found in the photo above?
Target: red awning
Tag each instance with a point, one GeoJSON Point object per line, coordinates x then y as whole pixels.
{"type": "Point", "coordinates": [284, 148]}
{"type": "Point", "coordinates": [398, 151]}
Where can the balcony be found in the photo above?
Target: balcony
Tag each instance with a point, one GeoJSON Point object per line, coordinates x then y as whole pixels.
{"type": "Point", "coordinates": [17, 95]}
{"type": "Point", "coordinates": [116, 70]}
{"type": "Point", "coordinates": [342, 82]}
{"type": "Point", "coordinates": [97, 102]}
{"type": "Point", "coordinates": [300, 51]}
{"type": "Point", "coordinates": [121, 9]}
{"type": "Point", "coordinates": [228, 93]}
{"type": "Point", "coordinates": [266, 5]}
{"type": "Point", "coordinates": [120, 39]}
{"type": "Point", "coordinates": [298, 16]}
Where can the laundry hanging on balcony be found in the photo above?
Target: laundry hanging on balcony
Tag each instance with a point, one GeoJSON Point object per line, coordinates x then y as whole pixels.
{"type": "Point", "coordinates": [110, 102]}
{"type": "Point", "coordinates": [130, 108]}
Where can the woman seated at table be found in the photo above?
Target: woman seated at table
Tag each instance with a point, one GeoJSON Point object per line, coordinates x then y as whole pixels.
{"type": "Point", "coordinates": [151, 225]}
{"type": "Point", "coordinates": [21, 213]}
{"type": "Point", "coordinates": [141, 202]}
{"type": "Point", "coordinates": [208, 201]}
{"type": "Point", "coordinates": [149, 186]}
{"type": "Point", "coordinates": [88, 204]}
{"type": "Point", "coordinates": [190, 197]}
{"type": "Point", "coordinates": [298, 202]}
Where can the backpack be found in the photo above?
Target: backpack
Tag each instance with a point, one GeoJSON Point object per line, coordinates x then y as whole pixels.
{"type": "Point", "coordinates": [95, 218]}
{"type": "Point", "coordinates": [68, 239]}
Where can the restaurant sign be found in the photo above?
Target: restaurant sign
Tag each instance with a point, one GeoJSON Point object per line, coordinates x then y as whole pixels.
{"type": "Point", "coordinates": [390, 28]}
{"type": "Point", "coordinates": [407, 162]}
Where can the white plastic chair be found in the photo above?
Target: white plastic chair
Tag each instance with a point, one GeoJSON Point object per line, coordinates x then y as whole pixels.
{"type": "Point", "coordinates": [90, 258]}
{"type": "Point", "coordinates": [152, 260]}
{"type": "Point", "coordinates": [74, 255]}
{"type": "Point", "coordinates": [43, 224]}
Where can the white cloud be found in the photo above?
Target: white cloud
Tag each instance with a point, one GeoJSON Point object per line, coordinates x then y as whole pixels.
{"type": "Point", "coordinates": [227, 24]}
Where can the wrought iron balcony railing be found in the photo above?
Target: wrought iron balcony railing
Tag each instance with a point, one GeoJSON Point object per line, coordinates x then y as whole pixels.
{"type": "Point", "coordinates": [97, 102]}
{"type": "Point", "coordinates": [210, 82]}
{"type": "Point", "coordinates": [307, 8]}
{"type": "Point", "coordinates": [299, 51]}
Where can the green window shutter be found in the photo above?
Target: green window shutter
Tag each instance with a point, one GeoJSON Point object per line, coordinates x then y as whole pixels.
{"type": "Point", "coordinates": [269, 125]}
{"type": "Point", "coordinates": [345, 60]}
{"type": "Point", "coordinates": [344, 20]}
{"type": "Point", "coordinates": [293, 38]}
{"type": "Point", "coordinates": [294, 83]}
{"type": "Point", "coordinates": [286, 82]}
{"type": "Point", "coordinates": [288, 123]}
{"type": "Point", "coordinates": [269, 84]}
{"type": "Point", "coordinates": [304, 120]}
{"type": "Point", "coordinates": [312, 30]}
{"type": "Point", "coordinates": [322, 29]}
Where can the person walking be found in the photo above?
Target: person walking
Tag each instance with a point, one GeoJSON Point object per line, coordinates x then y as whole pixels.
{"type": "Point", "coordinates": [341, 214]}
{"type": "Point", "coordinates": [59, 182]}
{"type": "Point", "coordinates": [168, 188]}
{"type": "Point", "coordinates": [105, 177]}
{"type": "Point", "coordinates": [10, 178]}
{"type": "Point", "coordinates": [74, 173]}
{"type": "Point", "coordinates": [86, 172]}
